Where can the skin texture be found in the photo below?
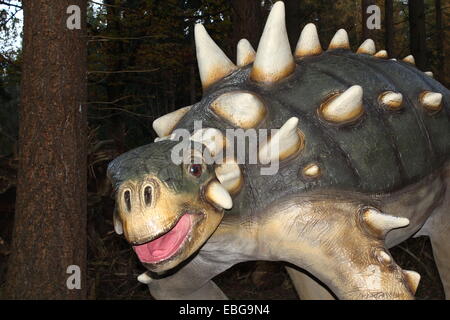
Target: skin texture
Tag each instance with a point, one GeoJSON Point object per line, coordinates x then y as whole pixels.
{"type": "Point", "coordinates": [392, 160]}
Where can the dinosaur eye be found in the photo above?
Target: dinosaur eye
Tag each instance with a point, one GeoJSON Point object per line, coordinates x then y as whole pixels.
{"type": "Point", "coordinates": [195, 170]}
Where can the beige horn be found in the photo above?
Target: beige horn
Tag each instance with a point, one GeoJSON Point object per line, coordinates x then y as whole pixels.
{"type": "Point", "coordinates": [164, 125]}
{"type": "Point", "coordinates": [245, 53]}
{"type": "Point", "coordinates": [274, 60]}
{"type": "Point", "coordinates": [308, 44]}
{"type": "Point", "coordinates": [345, 107]}
{"type": "Point", "coordinates": [218, 195]}
{"type": "Point", "coordinates": [213, 64]}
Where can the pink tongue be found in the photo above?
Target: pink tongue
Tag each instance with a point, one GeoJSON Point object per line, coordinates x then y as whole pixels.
{"type": "Point", "coordinates": [166, 245]}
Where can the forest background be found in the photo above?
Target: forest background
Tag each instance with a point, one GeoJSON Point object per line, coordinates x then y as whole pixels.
{"type": "Point", "coordinates": [141, 64]}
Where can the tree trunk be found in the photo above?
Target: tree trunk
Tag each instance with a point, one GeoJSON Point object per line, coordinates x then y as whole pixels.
{"type": "Point", "coordinates": [366, 32]}
{"type": "Point", "coordinates": [248, 22]}
{"type": "Point", "coordinates": [293, 21]}
{"type": "Point", "coordinates": [417, 32]}
{"type": "Point", "coordinates": [389, 26]}
{"type": "Point", "coordinates": [50, 222]}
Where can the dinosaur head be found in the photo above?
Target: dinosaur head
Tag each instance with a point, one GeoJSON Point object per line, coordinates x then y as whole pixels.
{"type": "Point", "coordinates": [166, 210]}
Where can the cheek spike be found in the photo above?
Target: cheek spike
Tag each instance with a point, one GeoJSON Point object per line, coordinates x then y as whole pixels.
{"type": "Point", "coordinates": [218, 195]}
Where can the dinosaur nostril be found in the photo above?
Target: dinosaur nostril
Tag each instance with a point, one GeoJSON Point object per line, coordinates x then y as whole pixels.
{"type": "Point", "coordinates": [127, 198]}
{"type": "Point", "coordinates": [148, 195]}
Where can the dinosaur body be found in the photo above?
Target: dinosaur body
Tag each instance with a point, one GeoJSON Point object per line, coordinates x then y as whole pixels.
{"type": "Point", "coordinates": [363, 152]}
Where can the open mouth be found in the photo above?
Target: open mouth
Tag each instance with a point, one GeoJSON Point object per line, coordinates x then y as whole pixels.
{"type": "Point", "coordinates": [167, 245]}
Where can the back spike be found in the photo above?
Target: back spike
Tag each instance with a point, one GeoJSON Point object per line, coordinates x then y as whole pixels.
{"type": "Point", "coordinates": [410, 59]}
{"type": "Point", "coordinates": [274, 60]}
{"type": "Point", "coordinates": [412, 279]}
{"type": "Point", "coordinates": [382, 54]}
{"type": "Point", "coordinates": [213, 64]}
{"type": "Point", "coordinates": [345, 107]}
{"type": "Point", "coordinates": [245, 53]}
{"type": "Point", "coordinates": [308, 44]}
{"type": "Point", "coordinates": [340, 40]}
{"type": "Point", "coordinates": [165, 124]}
{"type": "Point", "coordinates": [367, 47]}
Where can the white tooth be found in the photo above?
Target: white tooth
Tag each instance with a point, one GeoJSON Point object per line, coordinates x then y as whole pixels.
{"type": "Point", "coordinates": [230, 176]}
{"type": "Point", "coordinates": [429, 73]}
{"type": "Point", "coordinates": [382, 54]}
{"type": "Point", "coordinates": [284, 143]}
{"type": "Point", "coordinates": [340, 40]}
{"type": "Point", "coordinates": [346, 107]}
{"type": "Point", "coordinates": [242, 109]}
{"type": "Point", "coordinates": [245, 53]}
{"type": "Point", "coordinates": [431, 100]}
{"type": "Point", "coordinates": [393, 59]}
{"type": "Point", "coordinates": [308, 44]}
{"type": "Point", "coordinates": [274, 60]}
{"type": "Point", "coordinates": [213, 64]}
{"type": "Point", "coordinates": [212, 138]}
{"type": "Point", "coordinates": [410, 59]}
{"type": "Point", "coordinates": [218, 195]}
{"type": "Point", "coordinates": [144, 278]}
{"type": "Point", "coordinates": [367, 47]}
{"type": "Point", "coordinates": [164, 125]}
{"type": "Point", "coordinates": [393, 100]}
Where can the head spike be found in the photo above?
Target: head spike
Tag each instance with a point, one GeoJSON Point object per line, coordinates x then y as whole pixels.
{"type": "Point", "coordinates": [287, 141]}
{"type": "Point", "coordinates": [230, 176]}
{"type": "Point", "coordinates": [212, 138]}
{"type": "Point", "coordinates": [410, 59]}
{"type": "Point", "coordinates": [274, 60]}
{"type": "Point", "coordinates": [164, 125]}
{"type": "Point", "coordinates": [431, 100]}
{"type": "Point", "coordinates": [382, 54]}
{"type": "Point", "coordinates": [382, 223]}
{"type": "Point", "coordinates": [392, 100]}
{"type": "Point", "coordinates": [367, 47]}
{"type": "Point", "coordinates": [308, 44]}
{"type": "Point", "coordinates": [245, 53]}
{"type": "Point", "coordinates": [213, 64]}
{"type": "Point", "coordinates": [345, 107]}
{"type": "Point", "coordinates": [218, 195]}
{"type": "Point", "coordinates": [413, 279]}
{"type": "Point", "coordinates": [340, 40]}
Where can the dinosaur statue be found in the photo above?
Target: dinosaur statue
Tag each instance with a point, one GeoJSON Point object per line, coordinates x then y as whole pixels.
{"type": "Point", "coordinates": [362, 146]}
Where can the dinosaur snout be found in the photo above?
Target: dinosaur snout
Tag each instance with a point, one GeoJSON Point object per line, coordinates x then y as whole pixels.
{"type": "Point", "coordinates": [137, 197]}
{"type": "Point", "coordinates": [145, 209]}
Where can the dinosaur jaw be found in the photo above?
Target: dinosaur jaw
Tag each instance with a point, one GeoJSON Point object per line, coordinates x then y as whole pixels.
{"type": "Point", "coordinates": [167, 245]}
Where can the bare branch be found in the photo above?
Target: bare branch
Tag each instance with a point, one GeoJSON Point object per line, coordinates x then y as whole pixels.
{"type": "Point", "coordinates": [122, 71]}
{"type": "Point", "coordinates": [10, 4]}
